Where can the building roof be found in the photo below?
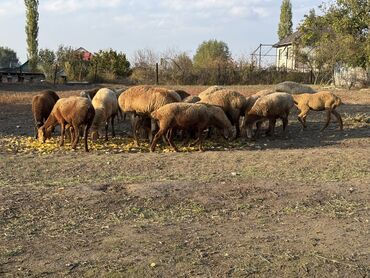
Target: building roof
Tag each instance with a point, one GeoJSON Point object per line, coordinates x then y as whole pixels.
{"type": "Point", "coordinates": [287, 40]}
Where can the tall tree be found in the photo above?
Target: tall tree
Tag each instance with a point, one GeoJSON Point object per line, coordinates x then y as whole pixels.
{"type": "Point", "coordinates": [32, 30]}
{"type": "Point", "coordinates": [8, 58]}
{"type": "Point", "coordinates": [211, 61]}
{"type": "Point", "coordinates": [285, 24]}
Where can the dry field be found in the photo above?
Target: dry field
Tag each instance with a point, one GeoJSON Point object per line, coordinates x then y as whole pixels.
{"type": "Point", "coordinates": [294, 206]}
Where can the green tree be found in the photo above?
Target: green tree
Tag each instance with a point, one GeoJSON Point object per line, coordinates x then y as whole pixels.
{"type": "Point", "coordinates": [211, 61]}
{"type": "Point", "coordinates": [111, 64]}
{"type": "Point", "coordinates": [285, 24]}
{"type": "Point", "coordinates": [339, 36]}
{"type": "Point", "coordinates": [8, 58]}
{"type": "Point", "coordinates": [47, 62]}
{"type": "Point", "coordinates": [32, 29]}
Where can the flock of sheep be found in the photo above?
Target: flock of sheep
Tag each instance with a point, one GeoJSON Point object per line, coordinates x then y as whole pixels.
{"type": "Point", "coordinates": [164, 113]}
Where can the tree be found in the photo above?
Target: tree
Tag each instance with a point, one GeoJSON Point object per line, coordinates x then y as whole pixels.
{"type": "Point", "coordinates": [111, 64]}
{"type": "Point", "coordinates": [285, 24]}
{"type": "Point", "coordinates": [32, 29]}
{"type": "Point", "coordinates": [8, 58]}
{"type": "Point", "coordinates": [143, 71]}
{"type": "Point", "coordinates": [47, 62]}
{"type": "Point", "coordinates": [211, 61]}
{"type": "Point", "coordinates": [338, 37]}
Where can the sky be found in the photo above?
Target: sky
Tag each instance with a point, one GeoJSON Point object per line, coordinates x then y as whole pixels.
{"type": "Point", "coordinates": [159, 25]}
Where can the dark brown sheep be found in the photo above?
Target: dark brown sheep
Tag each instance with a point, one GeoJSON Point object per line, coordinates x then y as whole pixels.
{"type": "Point", "coordinates": [42, 104]}
{"type": "Point", "coordinates": [182, 94]}
{"type": "Point", "coordinates": [72, 111]}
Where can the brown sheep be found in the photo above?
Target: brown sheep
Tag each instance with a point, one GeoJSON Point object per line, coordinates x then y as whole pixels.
{"type": "Point", "coordinates": [143, 100]}
{"type": "Point", "coordinates": [233, 103]}
{"type": "Point", "coordinates": [187, 116]}
{"type": "Point", "coordinates": [210, 90]}
{"type": "Point", "coordinates": [72, 111]}
{"type": "Point", "coordinates": [318, 102]}
{"type": "Point", "coordinates": [42, 104]}
{"type": "Point", "coordinates": [270, 107]}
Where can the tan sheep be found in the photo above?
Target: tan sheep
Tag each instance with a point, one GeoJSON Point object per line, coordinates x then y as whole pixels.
{"type": "Point", "coordinates": [233, 103]}
{"type": "Point", "coordinates": [270, 107]}
{"type": "Point", "coordinates": [210, 90]}
{"type": "Point", "coordinates": [106, 108]}
{"type": "Point", "coordinates": [318, 102]}
{"type": "Point", "coordinates": [42, 105]}
{"type": "Point", "coordinates": [189, 116]}
{"type": "Point", "coordinates": [72, 111]}
{"type": "Point", "coordinates": [143, 100]}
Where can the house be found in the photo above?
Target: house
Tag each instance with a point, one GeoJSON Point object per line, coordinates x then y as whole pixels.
{"type": "Point", "coordinates": [86, 55]}
{"type": "Point", "coordinates": [20, 73]}
{"type": "Point", "coordinates": [285, 58]}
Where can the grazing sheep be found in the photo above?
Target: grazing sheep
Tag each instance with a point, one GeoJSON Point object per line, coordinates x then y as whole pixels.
{"type": "Point", "coordinates": [270, 107]}
{"type": "Point", "coordinates": [189, 116]}
{"type": "Point", "coordinates": [191, 99]}
{"type": "Point", "coordinates": [143, 100]}
{"type": "Point", "coordinates": [210, 90]}
{"type": "Point", "coordinates": [293, 88]}
{"type": "Point", "coordinates": [106, 108]}
{"type": "Point", "coordinates": [42, 104]}
{"type": "Point", "coordinates": [89, 93]}
{"type": "Point", "coordinates": [72, 111]}
{"type": "Point", "coordinates": [182, 94]}
{"type": "Point", "coordinates": [318, 102]}
{"type": "Point", "coordinates": [233, 103]}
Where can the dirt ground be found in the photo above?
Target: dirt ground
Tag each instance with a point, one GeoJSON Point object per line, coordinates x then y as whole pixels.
{"type": "Point", "coordinates": [289, 206]}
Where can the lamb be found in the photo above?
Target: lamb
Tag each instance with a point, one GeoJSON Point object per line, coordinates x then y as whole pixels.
{"type": "Point", "coordinates": [106, 108]}
{"type": "Point", "coordinates": [293, 88]}
{"type": "Point", "coordinates": [233, 103]}
{"type": "Point", "coordinates": [73, 111]}
{"type": "Point", "coordinates": [191, 99]}
{"type": "Point", "coordinates": [270, 107]}
{"type": "Point", "coordinates": [42, 104]}
{"type": "Point", "coordinates": [143, 100]}
{"type": "Point", "coordinates": [320, 101]}
{"type": "Point", "coordinates": [185, 116]}
{"type": "Point", "coordinates": [210, 90]}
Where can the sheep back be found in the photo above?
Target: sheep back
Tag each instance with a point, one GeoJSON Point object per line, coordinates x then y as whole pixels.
{"type": "Point", "coordinates": [293, 88]}
{"type": "Point", "coordinates": [42, 105]}
{"type": "Point", "coordinates": [272, 105]}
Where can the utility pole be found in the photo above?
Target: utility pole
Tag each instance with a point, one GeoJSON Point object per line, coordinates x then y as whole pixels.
{"type": "Point", "coordinates": [156, 74]}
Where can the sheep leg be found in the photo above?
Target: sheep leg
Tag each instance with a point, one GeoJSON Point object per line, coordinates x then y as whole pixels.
{"type": "Point", "coordinates": [135, 128]}
{"type": "Point", "coordinates": [153, 127]}
{"type": "Point", "coordinates": [113, 132]}
{"type": "Point", "coordinates": [169, 138]}
{"type": "Point", "coordinates": [258, 130]}
{"type": "Point", "coordinates": [302, 116]}
{"type": "Point", "coordinates": [62, 129]}
{"type": "Point", "coordinates": [285, 122]}
{"type": "Point", "coordinates": [86, 134]}
{"type": "Point", "coordinates": [339, 118]}
{"type": "Point", "coordinates": [159, 134]}
{"type": "Point", "coordinates": [200, 139]}
{"type": "Point", "coordinates": [76, 136]}
{"type": "Point", "coordinates": [327, 120]}
{"type": "Point", "coordinates": [237, 127]}
{"type": "Point", "coordinates": [106, 130]}
{"type": "Point", "coordinates": [271, 128]}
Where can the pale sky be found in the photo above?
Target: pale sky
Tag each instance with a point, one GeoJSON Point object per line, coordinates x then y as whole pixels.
{"type": "Point", "coordinates": [129, 25]}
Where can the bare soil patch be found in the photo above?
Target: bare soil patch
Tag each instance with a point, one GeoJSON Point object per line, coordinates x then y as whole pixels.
{"type": "Point", "coordinates": [279, 207]}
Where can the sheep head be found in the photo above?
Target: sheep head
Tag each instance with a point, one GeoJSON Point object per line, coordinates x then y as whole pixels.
{"type": "Point", "coordinates": [43, 134]}
{"type": "Point", "coordinates": [94, 135]}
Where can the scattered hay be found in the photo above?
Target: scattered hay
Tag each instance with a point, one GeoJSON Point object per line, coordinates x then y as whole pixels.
{"type": "Point", "coordinates": [30, 145]}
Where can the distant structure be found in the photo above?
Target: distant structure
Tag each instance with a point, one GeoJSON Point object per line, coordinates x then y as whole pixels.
{"type": "Point", "coordinates": [285, 58]}
{"type": "Point", "coordinates": [86, 55]}
{"type": "Point", "coordinates": [20, 74]}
